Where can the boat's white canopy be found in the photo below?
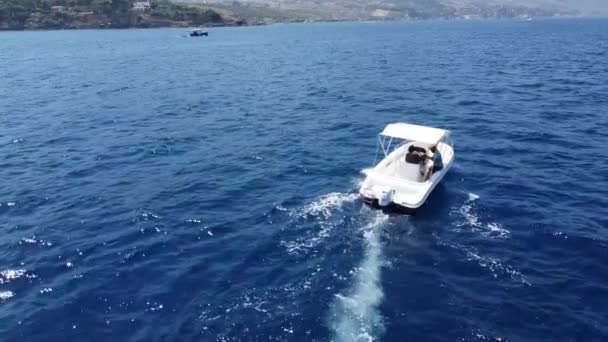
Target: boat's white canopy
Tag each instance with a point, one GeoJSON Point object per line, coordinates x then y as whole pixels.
{"type": "Point", "coordinates": [424, 134]}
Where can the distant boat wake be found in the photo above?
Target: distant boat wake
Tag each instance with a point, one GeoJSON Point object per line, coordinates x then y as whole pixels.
{"type": "Point", "coordinates": [355, 317]}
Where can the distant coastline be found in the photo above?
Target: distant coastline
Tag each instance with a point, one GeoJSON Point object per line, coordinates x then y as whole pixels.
{"type": "Point", "coordinates": [168, 24]}
{"type": "Point", "coordinates": [17, 15]}
{"type": "Point", "coordinates": [108, 26]}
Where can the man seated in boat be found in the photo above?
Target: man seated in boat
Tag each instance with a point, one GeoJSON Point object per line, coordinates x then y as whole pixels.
{"type": "Point", "coordinates": [427, 167]}
{"type": "Point", "coordinates": [421, 157]}
{"type": "Point", "coordinates": [437, 159]}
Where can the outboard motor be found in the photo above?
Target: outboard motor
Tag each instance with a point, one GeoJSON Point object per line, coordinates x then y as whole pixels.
{"type": "Point", "coordinates": [384, 196]}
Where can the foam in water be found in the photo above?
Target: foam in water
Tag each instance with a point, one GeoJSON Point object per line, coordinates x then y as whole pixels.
{"type": "Point", "coordinates": [355, 317]}
{"type": "Point", "coordinates": [7, 275]}
{"type": "Point", "coordinates": [324, 205]}
{"type": "Point", "coordinates": [5, 295]}
{"type": "Point", "coordinates": [321, 209]}
{"type": "Point", "coordinates": [33, 240]}
{"type": "Point", "coordinates": [471, 219]}
{"type": "Point", "coordinates": [496, 267]}
{"type": "Point", "coordinates": [46, 290]}
{"type": "Point", "coordinates": [472, 197]}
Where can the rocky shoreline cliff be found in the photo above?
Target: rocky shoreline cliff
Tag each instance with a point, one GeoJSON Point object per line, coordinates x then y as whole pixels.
{"type": "Point", "coordinates": [89, 14]}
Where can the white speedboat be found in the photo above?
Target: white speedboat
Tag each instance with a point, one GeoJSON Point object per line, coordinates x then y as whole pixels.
{"type": "Point", "coordinates": [415, 160]}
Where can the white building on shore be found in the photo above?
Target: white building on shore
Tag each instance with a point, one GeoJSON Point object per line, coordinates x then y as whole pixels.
{"type": "Point", "coordinates": [141, 6]}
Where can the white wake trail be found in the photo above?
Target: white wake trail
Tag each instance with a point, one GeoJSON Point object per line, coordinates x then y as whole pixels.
{"type": "Point", "coordinates": [355, 317]}
{"type": "Point", "coordinates": [322, 209]}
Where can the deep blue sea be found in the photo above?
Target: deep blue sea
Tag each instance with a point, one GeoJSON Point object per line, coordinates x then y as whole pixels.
{"type": "Point", "coordinates": [155, 187]}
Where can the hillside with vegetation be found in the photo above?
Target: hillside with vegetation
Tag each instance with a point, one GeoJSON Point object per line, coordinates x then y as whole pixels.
{"type": "Point", "coordinates": [60, 14]}
{"type": "Point", "coordinates": [69, 14]}
{"type": "Point", "coordinates": [323, 10]}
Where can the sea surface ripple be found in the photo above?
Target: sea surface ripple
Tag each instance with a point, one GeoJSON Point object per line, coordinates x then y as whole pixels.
{"type": "Point", "coordinates": [162, 188]}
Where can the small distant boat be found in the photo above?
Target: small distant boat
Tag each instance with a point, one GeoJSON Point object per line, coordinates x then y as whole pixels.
{"type": "Point", "coordinates": [415, 160]}
{"type": "Point", "coordinates": [198, 32]}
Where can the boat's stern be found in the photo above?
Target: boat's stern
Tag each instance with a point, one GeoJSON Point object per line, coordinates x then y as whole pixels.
{"type": "Point", "coordinates": [373, 193]}
{"type": "Point", "coordinates": [365, 190]}
{"type": "Point", "coordinates": [384, 192]}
